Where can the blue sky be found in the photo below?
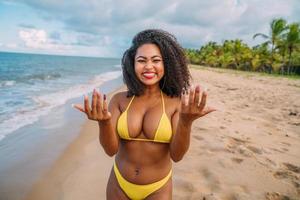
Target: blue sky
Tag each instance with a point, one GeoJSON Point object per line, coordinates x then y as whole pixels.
{"type": "Point", "coordinates": [104, 28]}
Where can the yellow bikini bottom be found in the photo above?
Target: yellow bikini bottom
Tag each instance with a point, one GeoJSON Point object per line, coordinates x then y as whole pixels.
{"type": "Point", "coordinates": [137, 192]}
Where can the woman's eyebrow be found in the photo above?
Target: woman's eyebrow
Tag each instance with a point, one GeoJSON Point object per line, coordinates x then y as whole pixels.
{"type": "Point", "coordinates": [141, 57]}
{"type": "Point", "coordinates": [155, 56]}
{"type": "Point", "coordinates": [146, 57]}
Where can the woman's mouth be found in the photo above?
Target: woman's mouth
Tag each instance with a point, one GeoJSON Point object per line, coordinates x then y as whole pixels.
{"type": "Point", "coordinates": [149, 75]}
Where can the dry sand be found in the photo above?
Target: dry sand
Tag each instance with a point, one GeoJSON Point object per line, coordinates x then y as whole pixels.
{"type": "Point", "coordinates": [248, 149]}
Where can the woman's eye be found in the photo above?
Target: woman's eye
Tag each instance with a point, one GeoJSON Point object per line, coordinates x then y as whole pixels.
{"type": "Point", "coordinates": [156, 61]}
{"type": "Point", "coordinates": [141, 61]}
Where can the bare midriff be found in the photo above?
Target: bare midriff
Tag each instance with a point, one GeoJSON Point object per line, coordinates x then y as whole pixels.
{"type": "Point", "coordinates": [142, 162]}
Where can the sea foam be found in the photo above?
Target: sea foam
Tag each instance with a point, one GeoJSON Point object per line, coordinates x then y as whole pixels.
{"type": "Point", "coordinates": [45, 103]}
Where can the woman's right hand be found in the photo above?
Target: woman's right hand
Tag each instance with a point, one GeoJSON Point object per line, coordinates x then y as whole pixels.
{"type": "Point", "coordinates": [98, 111]}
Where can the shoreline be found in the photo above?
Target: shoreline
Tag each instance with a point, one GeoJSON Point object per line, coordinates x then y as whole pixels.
{"type": "Point", "coordinates": [31, 151]}
{"type": "Point", "coordinates": [84, 153]}
{"type": "Point", "coordinates": [248, 149]}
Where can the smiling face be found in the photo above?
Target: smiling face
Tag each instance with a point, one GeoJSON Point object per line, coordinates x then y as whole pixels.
{"type": "Point", "coordinates": [148, 64]}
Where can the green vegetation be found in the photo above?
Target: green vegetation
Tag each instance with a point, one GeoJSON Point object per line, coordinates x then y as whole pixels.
{"type": "Point", "coordinates": [279, 54]}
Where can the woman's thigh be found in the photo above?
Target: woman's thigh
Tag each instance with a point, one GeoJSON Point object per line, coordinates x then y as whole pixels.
{"type": "Point", "coordinates": [165, 192]}
{"type": "Point", "coordinates": [113, 190]}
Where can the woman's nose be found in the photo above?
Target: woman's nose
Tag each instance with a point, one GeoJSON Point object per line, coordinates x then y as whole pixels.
{"type": "Point", "coordinates": [148, 65]}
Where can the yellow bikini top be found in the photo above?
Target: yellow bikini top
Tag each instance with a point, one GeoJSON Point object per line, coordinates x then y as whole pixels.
{"type": "Point", "coordinates": [163, 132]}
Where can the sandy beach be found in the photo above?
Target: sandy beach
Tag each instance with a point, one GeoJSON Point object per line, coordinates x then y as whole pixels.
{"type": "Point", "coordinates": [248, 149]}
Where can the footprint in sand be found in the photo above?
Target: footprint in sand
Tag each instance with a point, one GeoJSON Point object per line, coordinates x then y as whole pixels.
{"type": "Point", "coordinates": [228, 120]}
{"type": "Point", "coordinates": [236, 144]}
{"type": "Point", "coordinates": [211, 180]}
{"type": "Point", "coordinates": [265, 161]}
{"type": "Point", "coordinates": [237, 160]}
{"type": "Point", "coordinates": [244, 151]}
{"type": "Point", "coordinates": [277, 150]}
{"type": "Point", "coordinates": [289, 176]}
{"type": "Point", "coordinates": [233, 142]}
{"type": "Point", "coordinates": [267, 151]}
{"type": "Point", "coordinates": [236, 192]}
{"type": "Point", "coordinates": [283, 174]}
{"type": "Point", "coordinates": [271, 163]}
{"type": "Point", "coordinates": [255, 149]}
{"type": "Point", "coordinates": [184, 186]}
{"type": "Point", "coordinates": [276, 196]}
{"type": "Point", "coordinates": [200, 128]}
{"type": "Point", "coordinates": [197, 137]}
{"type": "Point", "coordinates": [285, 149]}
{"type": "Point", "coordinates": [286, 143]}
{"type": "Point", "coordinates": [292, 167]}
{"type": "Point", "coordinates": [216, 147]}
{"type": "Point", "coordinates": [184, 189]}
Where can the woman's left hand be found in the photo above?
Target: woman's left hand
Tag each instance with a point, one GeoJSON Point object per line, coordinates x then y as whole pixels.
{"type": "Point", "coordinates": [194, 107]}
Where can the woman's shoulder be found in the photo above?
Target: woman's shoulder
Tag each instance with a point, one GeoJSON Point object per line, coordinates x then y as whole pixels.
{"type": "Point", "coordinates": [117, 99]}
{"type": "Point", "coordinates": [119, 96]}
{"type": "Point", "coordinates": [172, 101]}
{"type": "Point", "coordinates": [172, 98]}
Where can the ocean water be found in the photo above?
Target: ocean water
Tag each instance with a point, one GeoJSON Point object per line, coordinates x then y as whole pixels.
{"type": "Point", "coordinates": [37, 122]}
{"type": "Point", "coordinates": [33, 85]}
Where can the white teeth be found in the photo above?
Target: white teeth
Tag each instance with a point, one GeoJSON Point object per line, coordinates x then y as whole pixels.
{"type": "Point", "coordinates": [149, 74]}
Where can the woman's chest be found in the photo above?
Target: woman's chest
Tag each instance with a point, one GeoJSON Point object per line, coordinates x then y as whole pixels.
{"type": "Point", "coordinates": [146, 120]}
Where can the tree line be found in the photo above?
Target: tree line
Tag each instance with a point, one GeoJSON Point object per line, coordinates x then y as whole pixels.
{"type": "Point", "coordinates": [279, 53]}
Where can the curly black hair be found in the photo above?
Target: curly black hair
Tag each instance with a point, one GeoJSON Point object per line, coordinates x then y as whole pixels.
{"type": "Point", "coordinates": [177, 76]}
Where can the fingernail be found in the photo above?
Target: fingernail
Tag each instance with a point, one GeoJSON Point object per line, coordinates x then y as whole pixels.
{"type": "Point", "coordinates": [104, 97]}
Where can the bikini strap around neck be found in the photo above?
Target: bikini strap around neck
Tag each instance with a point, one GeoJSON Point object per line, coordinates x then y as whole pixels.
{"type": "Point", "coordinates": [163, 102]}
{"type": "Point", "coordinates": [162, 97]}
{"type": "Point", "coordinates": [130, 102]}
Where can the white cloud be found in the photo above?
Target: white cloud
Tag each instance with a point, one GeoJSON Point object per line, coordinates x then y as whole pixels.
{"type": "Point", "coordinates": [78, 44]}
{"type": "Point", "coordinates": [34, 38]}
{"type": "Point", "coordinates": [38, 39]}
{"type": "Point", "coordinates": [108, 26]}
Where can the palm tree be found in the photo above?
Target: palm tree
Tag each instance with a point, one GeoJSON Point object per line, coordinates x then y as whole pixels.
{"type": "Point", "coordinates": [278, 26]}
{"type": "Point", "coordinates": [209, 53]}
{"type": "Point", "coordinates": [193, 56]}
{"type": "Point", "coordinates": [260, 61]}
{"type": "Point", "coordinates": [293, 41]}
{"type": "Point", "coordinates": [282, 50]}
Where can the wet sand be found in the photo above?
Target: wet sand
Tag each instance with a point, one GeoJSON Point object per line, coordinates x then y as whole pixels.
{"type": "Point", "coordinates": [248, 149]}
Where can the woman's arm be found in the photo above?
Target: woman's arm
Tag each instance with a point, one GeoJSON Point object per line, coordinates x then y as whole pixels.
{"type": "Point", "coordinates": [108, 136]}
{"type": "Point", "coordinates": [183, 118]}
{"type": "Point", "coordinates": [181, 137]}
{"type": "Point", "coordinates": [106, 116]}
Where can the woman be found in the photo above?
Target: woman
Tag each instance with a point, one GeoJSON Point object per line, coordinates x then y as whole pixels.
{"type": "Point", "coordinates": [149, 125]}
